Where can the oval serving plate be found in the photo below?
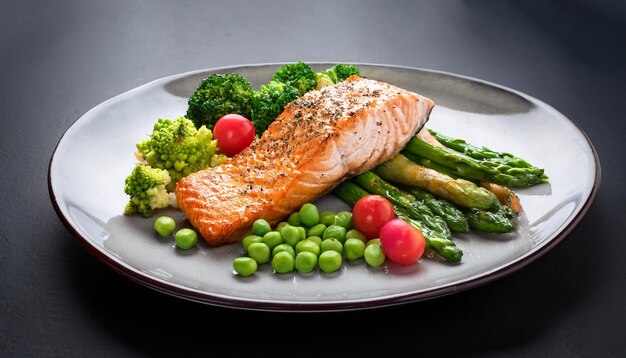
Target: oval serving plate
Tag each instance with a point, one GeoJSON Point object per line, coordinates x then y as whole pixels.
{"type": "Point", "coordinates": [94, 156]}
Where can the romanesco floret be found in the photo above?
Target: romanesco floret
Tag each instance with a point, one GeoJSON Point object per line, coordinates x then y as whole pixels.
{"type": "Point", "coordinates": [146, 187]}
{"type": "Point", "coordinates": [269, 102]}
{"type": "Point", "coordinates": [299, 75]}
{"type": "Point", "coordinates": [218, 95]}
{"type": "Point", "coordinates": [178, 147]}
{"type": "Point", "coordinates": [322, 79]}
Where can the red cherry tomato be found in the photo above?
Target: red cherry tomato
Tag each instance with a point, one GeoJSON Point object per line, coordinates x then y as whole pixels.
{"type": "Point", "coordinates": [401, 242]}
{"type": "Point", "coordinates": [370, 213]}
{"type": "Point", "coordinates": [233, 133]}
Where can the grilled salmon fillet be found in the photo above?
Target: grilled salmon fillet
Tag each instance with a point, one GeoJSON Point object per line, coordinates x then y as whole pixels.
{"type": "Point", "coordinates": [320, 140]}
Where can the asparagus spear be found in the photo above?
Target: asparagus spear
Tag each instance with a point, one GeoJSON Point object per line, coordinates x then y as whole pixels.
{"type": "Point", "coordinates": [430, 164]}
{"type": "Point", "coordinates": [470, 168]}
{"type": "Point", "coordinates": [505, 195]}
{"type": "Point", "coordinates": [483, 153]}
{"type": "Point", "coordinates": [444, 247]}
{"type": "Point", "coordinates": [401, 170]}
{"type": "Point", "coordinates": [497, 221]}
{"type": "Point", "coordinates": [456, 220]}
{"type": "Point", "coordinates": [351, 193]}
{"type": "Point", "coordinates": [415, 208]}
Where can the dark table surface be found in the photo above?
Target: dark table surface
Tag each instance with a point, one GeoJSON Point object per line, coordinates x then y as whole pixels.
{"type": "Point", "coordinates": [61, 58]}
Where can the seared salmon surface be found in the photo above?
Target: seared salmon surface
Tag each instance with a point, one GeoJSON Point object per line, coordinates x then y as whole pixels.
{"type": "Point", "coordinates": [320, 140]}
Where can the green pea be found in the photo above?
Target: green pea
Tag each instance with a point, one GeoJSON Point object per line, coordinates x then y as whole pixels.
{"type": "Point", "coordinates": [327, 218]}
{"type": "Point", "coordinates": [186, 239]}
{"type": "Point", "coordinates": [305, 261]}
{"type": "Point", "coordinates": [283, 262]}
{"type": "Point", "coordinates": [281, 225]}
{"type": "Point", "coordinates": [374, 255]}
{"type": "Point", "coordinates": [284, 247]}
{"type": "Point", "coordinates": [317, 230]}
{"type": "Point", "coordinates": [330, 261]}
{"type": "Point", "coordinates": [308, 245]}
{"type": "Point", "coordinates": [344, 218]}
{"type": "Point", "coordinates": [315, 239]}
{"type": "Point", "coordinates": [260, 252]}
{"type": "Point", "coordinates": [244, 266]}
{"type": "Point", "coordinates": [250, 239]}
{"type": "Point", "coordinates": [272, 239]}
{"type": "Point", "coordinates": [373, 241]}
{"type": "Point", "coordinates": [303, 232]}
{"type": "Point", "coordinates": [291, 235]}
{"type": "Point", "coordinates": [354, 249]}
{"type": "Point", "coordinates": [355, 234]}
{"type": "Point", "coordinates": [294, 219]}
{"type": "Point", "coordinates": [336, 231]}
{"type": "Point", "coordinates": [261, 227]}
{"type": "Point", "coordinates": [332, 244]}
{"type": "Point", "coordinates": [309, 216]}
{"type": "Point", "coordinates": [164, 225]}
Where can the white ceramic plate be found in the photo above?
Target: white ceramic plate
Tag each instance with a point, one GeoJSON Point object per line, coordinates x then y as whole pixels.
{"type": "Point", "coordinates": [92, 159]}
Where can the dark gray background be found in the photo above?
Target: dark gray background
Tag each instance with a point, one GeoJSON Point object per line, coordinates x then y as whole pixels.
{"type": "Point", "coordinates": [61, 58]}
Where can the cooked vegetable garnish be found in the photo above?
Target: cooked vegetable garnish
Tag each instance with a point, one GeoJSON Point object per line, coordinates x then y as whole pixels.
{"type": "Point", "coordinates": [335, 74]}
{"type": "Point", "coordinates": [332, 244]}
{"type": "Point", "coordinates": [304, 246]}
{"type": "Point", "coordinates": [401, 170]}
{"type": "Point", "coordinates": [260, 252]}
{"type": "Point", "coordinates": [498, 220]}
{"type": "Point", "coordinates": [217, 96]}
{"type": "Point", "coordinates": [261, 227]}
{"type": "Point", "coordinates": [417, 209]}
{"type": "Point", "coordinates": [341, 72]}
{"type": "Point", "coordinates": [495, 170]}
{"type": "Point", "coordinates": [186, 238]}
{"type": "Point", "coordinates": [309, 216]}
{"type": "Point", "coordinates": [327, 217]}
{"type": "Point", "coordinates": [283, 262]}
{"type": "Point", "coordinates": [244, 266]}
{"type": "Point", "coordinates": [505, 195]}
{"type": "Point", "coordinates": [354, 249]}
{"type": "Point", "coordinates": [178, 147]}
{"type": "Point", "coordinates": [146, 187]}
{"type": "Point", "coordinates": [486, 154]}
{"type": "Point", "coordinates": [330, 261]}
{"type": "Point", "coordinates": [164, 225]}
{"type": "Point", "coordinates": [453, 216]}
{"type": "Point", "coordinates": [444, 247]}
{"type": "Point", "coordinates": [269, 102]}
{"type": "Point", "coordinates": [374, 254]}
{"type": "Point", "coordinates": [305, 262]}
{"type": "Point", "coordinates": [336, 231]}
{"type": "Point", "coordinates": [441, 245]}
{"type": "Point", "coordinates": [299, 75]}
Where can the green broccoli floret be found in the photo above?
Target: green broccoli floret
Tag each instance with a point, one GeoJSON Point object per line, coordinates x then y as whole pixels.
{"type": "Point", "coordinates": [178, 147]}
{"type": "Point", "coordinates": [218, 95]}
{"type": "Point", "coordinates": [335, 74]}
{"type": "Point", "coordinates": [269, 102]}
{"type": "Point", "coordinates": [146, 187]}
{"type": "Point", "coordinates": [299, 75]}
{"type": "Point", "coordinates": [342, 72]}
